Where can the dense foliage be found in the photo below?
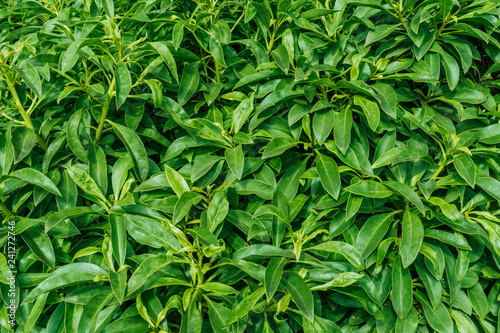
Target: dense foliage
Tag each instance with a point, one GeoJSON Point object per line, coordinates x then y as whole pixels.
{"type": "Point", "coordinates": [250, 166]}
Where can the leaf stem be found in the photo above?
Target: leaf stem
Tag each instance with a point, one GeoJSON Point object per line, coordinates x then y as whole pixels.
{"type": "Point", "coordinates": [439, 169]}
{"type": "Point", "coordinates": [199, 42]}
{"type": "Point", "coordinates": [238, 21]}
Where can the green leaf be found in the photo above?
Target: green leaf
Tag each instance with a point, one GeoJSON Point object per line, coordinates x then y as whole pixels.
{"type": "Point", "coordinates": [128, 323]}
{"type": "Point", "coordinates": [264, 74]}
{"type": "Point", "coordinates": [388, 157]}
{"type": "Point", "coordinates": [118, 238]}
{"type": "Point", "coordinates": [290, 181]}
{"type": "Point", "coordinates": [451, 68]}
{"type": "Point", "coordinates": [439, 319]}
{"type": "Point", "coordinates": [85, 182]}
{"type": "Point", "coordinates": [123, 83]}
{"type": "Point", "coordinates": [328, 174]}
{"type": "Point", "coordinates": [277, 97]}
{"type": "Point", "coordinates": [245, 305]}
{"type": "Point", "coordinates": [447, 237]}
{"type": "Point", "coordinates": [432, 284]}
{"type": "Point", "coordinates": [98, 168]}
{"type": "Point", "coordinates": [388, 98]}
{"type": "Point", "coordinates": [257, 187]}
{"type": "Point", "coordinates": [380, 32]}
{"type": "Point", "coordinates": [35, 312]}
{"type": "Point", "coordinates": [109, 7]}
{"type": "Point", "coordinates": [189, 83]}
{"type": "Point", "coordinates": [150, 232]}
{"type": "Point", "coordinates": [372, 232]}
{"type": "Point", "coordinates": [370, 109]}
{"type": "Point", "coordinates": [120, 173]}
{"type": "Point", "coordinates": [412, 231]}
{"type": "Point", "coordinates": [30, 75]}
{"type": "Point", "coordinates": [342, 133]}
{"type": "Point", "coordinates": [178, 34]}
{"type": "Point", "coordinates": [148, 267]}
{"type": "Point", "coordinates": [406, 192]}
{"type": "Point", "coordinates": [176, 181]}
{"type": "Point", "coordinates": [184, 204]}
{"type": "Point", "coordinates": [463, 322]}
{"type": "Point", "coordinates": [402, 295]}
{"type": "Point", "coordinates": [217, 51]}
{"type": "Point", "coordinates": [409, 323]}
{"type": "Point", "coordinates": [56, 281]}
{"type": "Point", "coordinates": [344, 249]}
{"type": "Point", "coordinates": [274, 271]}
{"type": "Point", "coordinates": [165, 53]}
{"type": "Point", "coordinates": [218, 288]}
{"type": "Point", "coordinates": [359, 86]}
{"type": "Point", "coordinates": [156, 91]}
{"type": "Point", "coordinates": [40, 244]}
{"type": "Point", "coordinates": [89, 317]}
{"type": "Point", "coordinates": [341, 280]}
{"type": "Point", "coordinates": [281, 58]}
{"type": "Point", "coordinates": [241, 113]}
{"type": "Point", "coordinates": [23, 141]}
{"type": "Point", "coordinates": [118, 283]}
{"type": "Point", "coordinates": [323, 123]}
{"type": "Point", "coordinates": [217, 210]}
{"type": "Point", "coordinates": [490, 186]}
{"type": "Point", "coordinates": [202, 165]}
{"type": "Point", "coordinates": [208, 130]}
{"type": "Point", "coordinates": [278, 146]}
{"type": "Point", "coordinates": [218, 315]}
{"type": "Point", "coordinates": [369, 188]}
{"type": "Point", "coordinates": [235, 160]}
{"type": "Point", "coordinates": [479, 300]}
{"type": "Point", "coordinates": [445, 7]}
{"type": "Point", "coordinates": [35, 177]}
{"type": "Point", "coordinates": [466, 168]}
{"type": "Point", "coordinates": [135, 148]}
{"type": "Point", "coordinates": [73, 137]}
{"type": "Point", "coordinates": [300, 292]}
{"type": "Point", "coordinates": [67, 213]}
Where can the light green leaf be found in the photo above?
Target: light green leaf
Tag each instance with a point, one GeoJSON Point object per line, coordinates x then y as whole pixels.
{"type": "Point", "coordinates": [370, 109]}
{"type": "Point", "coordinates": [176, 181]}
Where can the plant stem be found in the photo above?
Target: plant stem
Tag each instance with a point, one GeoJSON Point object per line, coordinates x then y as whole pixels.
{"type": "Point", "coordinates": [26, 117]}
{"type": "Point", "coordinates": [104, 113]}
{"type": "Point", "coordinates": [105, 109]}
{"type": "Point", "coordinates": [439, 169]}
{"type": "Point", "coordinates": [199, 42]}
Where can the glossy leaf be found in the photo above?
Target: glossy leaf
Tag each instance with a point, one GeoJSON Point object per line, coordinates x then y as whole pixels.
{"type": "Point", "coordinates": [136, 149]}
{"type": "Point", "coordinates": [123, 83]}
{"type": "Point", "coordinates": [328, 174]}
{"type": "Point", "coordinates": [412, 237]}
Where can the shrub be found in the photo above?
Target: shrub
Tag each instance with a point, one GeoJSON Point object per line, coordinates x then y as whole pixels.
{"type": "Point", "coordinates": [250, 166]}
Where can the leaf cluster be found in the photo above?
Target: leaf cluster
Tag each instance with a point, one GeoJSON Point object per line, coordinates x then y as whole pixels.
{"type": "Point", "coordinates": [250, 166]}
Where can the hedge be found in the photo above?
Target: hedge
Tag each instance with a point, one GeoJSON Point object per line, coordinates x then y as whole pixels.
{"type": "Point", "coordinates": [250, 166]}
